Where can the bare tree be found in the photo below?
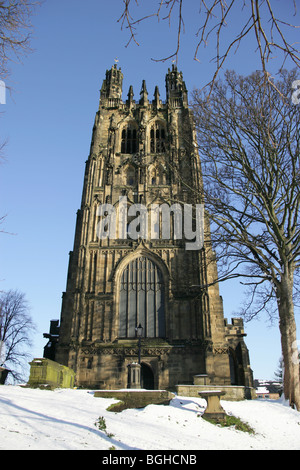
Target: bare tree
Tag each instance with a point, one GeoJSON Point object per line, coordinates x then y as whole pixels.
{"type": "Point", "coordinates": [249, 146]}
{"type": "Point", "coordinates": [278, 374]}
{"type": "Point", "coordinates": [257, 18]}
{"type": "Point", "coordinates": [15, 28]}
{"type": "Point", "coordinates": [16, 327]}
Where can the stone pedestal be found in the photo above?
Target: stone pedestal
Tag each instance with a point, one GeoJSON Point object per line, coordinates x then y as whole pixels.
{"type": "Point", "coordinates": [201, 379]}
{"type": "Point", "coordinates": [214, 409]}
{"type": "Point", "coordinates": [134, 375]}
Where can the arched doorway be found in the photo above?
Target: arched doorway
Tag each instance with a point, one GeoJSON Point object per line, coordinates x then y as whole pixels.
{"type": "Point", "coordinates": [237, 375]}
{"type": "Point", "coordinates": [233, 368]}
{"type": "Point", "coordinates": [147, 377]}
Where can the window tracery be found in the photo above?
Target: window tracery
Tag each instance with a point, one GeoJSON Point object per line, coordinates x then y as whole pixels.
{"type": "Point", "coordinates": [142, 299]}
{"type": "Point", "coordinates": [157, 138]}
{"type": "Point", "coordinates": [129, 139]}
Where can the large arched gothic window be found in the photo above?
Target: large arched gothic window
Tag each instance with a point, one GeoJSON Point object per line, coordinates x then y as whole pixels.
{"type": "Point", "coordinates": [142, 299]}
{"type": "Point", "coordinates": [129, 139]}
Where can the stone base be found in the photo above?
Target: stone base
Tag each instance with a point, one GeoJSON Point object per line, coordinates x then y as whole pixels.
{"type": "Point", "coordinates": [214, 409]}
{"type": "Point", "coordinates": [214, 416]}
{"type": "Point", "coordinates": [137, 398]}
{"type": "Point", "coordinates": [232, 392]}
{"type": "Point", "coordinates": [45, 373]}
{"type": "Point", "coordinates": [201, 379]}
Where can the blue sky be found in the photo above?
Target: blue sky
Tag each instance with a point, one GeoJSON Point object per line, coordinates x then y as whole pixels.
{"type": "Point", "coordinates": [47, 121]}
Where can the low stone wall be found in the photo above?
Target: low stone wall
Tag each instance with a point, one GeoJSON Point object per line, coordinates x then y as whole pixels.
{"type": "Point", "coordinates": [232, 392]}
{"type": "Point", "coordinates": [45, 373]}
{"type": "Point", "coordinates": [137, 398]}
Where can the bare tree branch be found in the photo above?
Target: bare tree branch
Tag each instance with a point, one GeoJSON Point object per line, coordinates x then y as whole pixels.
{"type": "Point", "coordinates": [257, 17]}
{"type": "Point", "coordinates": [249, 145]}
{"type": "Point", "coordinates": [15, 31]}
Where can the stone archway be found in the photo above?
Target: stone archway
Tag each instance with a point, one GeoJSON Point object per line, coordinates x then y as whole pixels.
{"type": "Point", "coordinates": [147, 377]}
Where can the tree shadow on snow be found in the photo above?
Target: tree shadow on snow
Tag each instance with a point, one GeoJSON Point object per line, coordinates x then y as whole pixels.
{"type": "Point", "coordinates": [187, 404]}
{"type": "Point", "coordinates": [44, 417]}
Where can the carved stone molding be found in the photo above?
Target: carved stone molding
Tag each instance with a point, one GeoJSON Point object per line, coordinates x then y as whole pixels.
{"type": "Point", "coordinates": [220, 350]}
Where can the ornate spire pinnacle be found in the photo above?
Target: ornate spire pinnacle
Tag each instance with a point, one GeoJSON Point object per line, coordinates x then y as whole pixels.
{"type": "Point", "coordinates": [175, 87]}
{"type": "Point", "coordinates": [144, 94]}
{"type": "Point", "coordinates": [157, 100]}
{"type": "Point", "coordinates": [112, 85]}
{"type": "Point", "coordinates": [130, 96]}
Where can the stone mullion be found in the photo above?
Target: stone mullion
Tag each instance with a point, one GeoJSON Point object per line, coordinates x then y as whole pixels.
{"type": "Point", "coordinates": [91, 321]}
{"type": "Point", "coordinates": [75, 318]}
{"type": "Point", "coordinates": [94, 222]}
{"type": "Point", "coordinates": [127, 301]}
{"type": "Point", "coordinates": [79, 272]}
{"type": "Point", "coordinates": [86, 321]}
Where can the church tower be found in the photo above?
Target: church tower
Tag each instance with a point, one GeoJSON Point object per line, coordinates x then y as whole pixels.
{"type": "Point", "coordinates": [146, 274]}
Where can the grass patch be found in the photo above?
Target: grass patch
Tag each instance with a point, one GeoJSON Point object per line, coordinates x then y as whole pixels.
{"type": "Point", "coordinates": [117, 407]}
{"type": "Point", "coordinates": [101, 425]}
{"type": "Point", "coordinates": [229, 421]}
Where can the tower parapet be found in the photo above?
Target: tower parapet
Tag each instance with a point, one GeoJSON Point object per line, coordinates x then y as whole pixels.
{"type": "Point", "coordinates": [235, 328]}
{"type": "Point", "coordinates": [176, 88]}
{"type": "Point", "coordinates": [111, 91]}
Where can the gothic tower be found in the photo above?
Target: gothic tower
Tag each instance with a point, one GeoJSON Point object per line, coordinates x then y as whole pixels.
{"type": "Point", "coordinates": [116, 283]}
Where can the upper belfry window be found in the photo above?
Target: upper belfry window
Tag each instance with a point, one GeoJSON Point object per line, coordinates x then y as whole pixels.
{"type": "Point", "coordinates": [129, 140]}
{"type": "Point", "coordinates": [157, 138]}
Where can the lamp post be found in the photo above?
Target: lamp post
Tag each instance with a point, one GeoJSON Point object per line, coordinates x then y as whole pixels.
{"type": "Point", "coordinates": [139, 333]}
{"type": "Point", "coordinates": [135, 368]}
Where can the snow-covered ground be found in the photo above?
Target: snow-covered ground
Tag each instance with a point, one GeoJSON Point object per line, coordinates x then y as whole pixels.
{"type": "Point", "coordinates": [64, 419]}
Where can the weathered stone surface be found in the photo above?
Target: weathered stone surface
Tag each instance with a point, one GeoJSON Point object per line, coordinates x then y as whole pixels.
{"type": "Point", "coordinates": [214, 409]}
{"type": "Point", "coordinates": [49, 374]}
{"type": "Point", "coordinates": [232, 392]}
{"type": "Point", "coordinates": [115, 284]}
{"type": "Point", "coordinates": [137, 398]}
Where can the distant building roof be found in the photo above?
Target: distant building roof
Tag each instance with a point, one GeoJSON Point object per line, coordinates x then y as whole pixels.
{"type": "Point", "coordinates": [267, 386]}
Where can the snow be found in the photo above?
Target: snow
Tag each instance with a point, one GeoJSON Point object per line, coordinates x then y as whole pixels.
{"type": "Point", "coordinates": [63, 419]}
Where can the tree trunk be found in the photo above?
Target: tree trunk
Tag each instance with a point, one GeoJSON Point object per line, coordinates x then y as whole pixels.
{"type": "Point", "coordinates": [287, 325]}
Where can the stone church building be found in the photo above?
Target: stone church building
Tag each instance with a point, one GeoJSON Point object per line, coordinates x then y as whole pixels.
{"type": "Point", "coordinates": [143, 151]}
